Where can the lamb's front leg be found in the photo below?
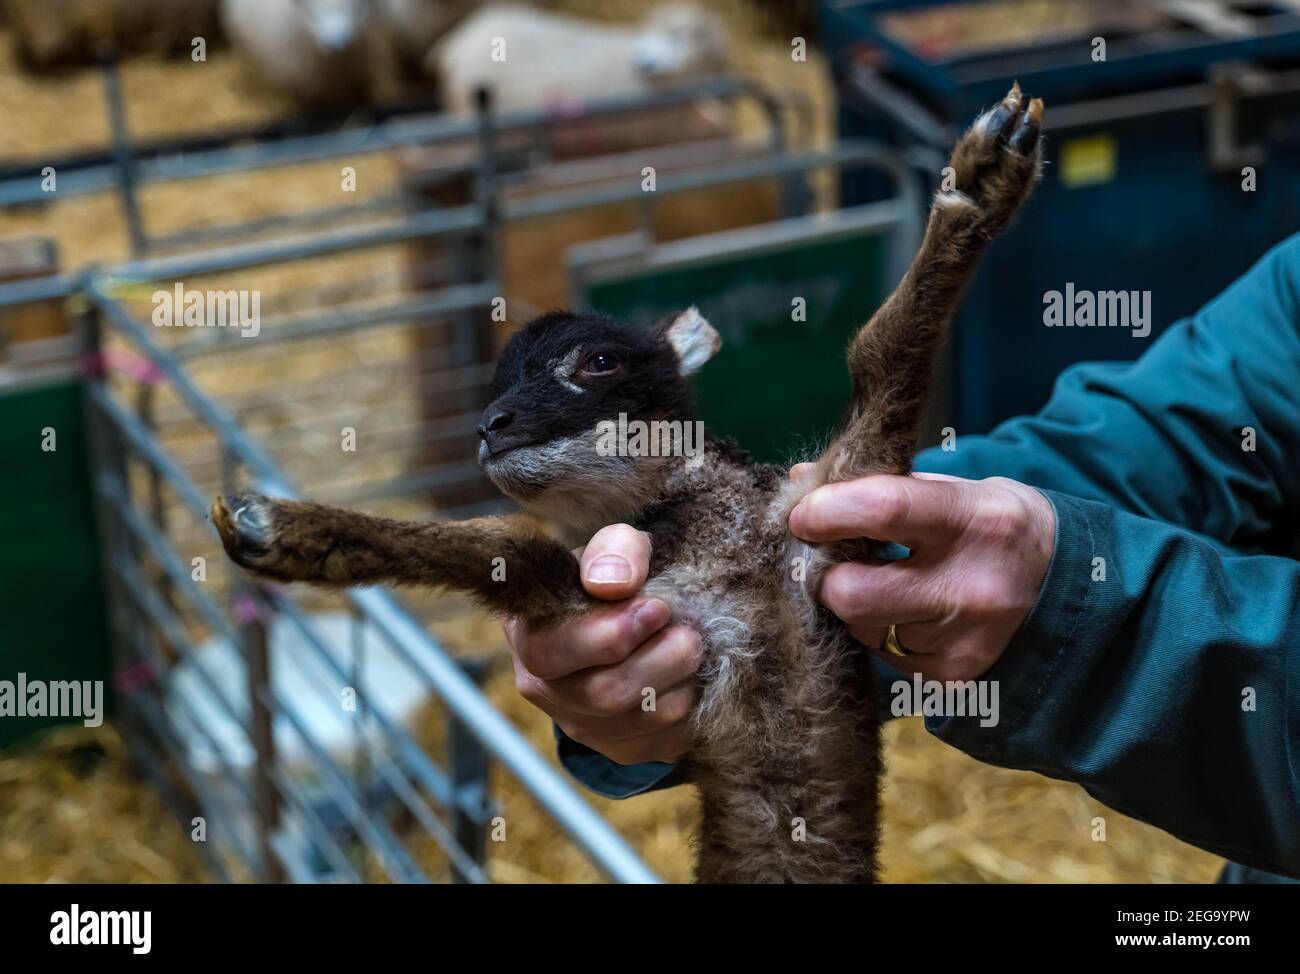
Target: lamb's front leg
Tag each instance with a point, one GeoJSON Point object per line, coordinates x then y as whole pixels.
{"type": "Point", "coordinates": [506, 563]}
{"type": "Point", "coordinates": [993, 169]}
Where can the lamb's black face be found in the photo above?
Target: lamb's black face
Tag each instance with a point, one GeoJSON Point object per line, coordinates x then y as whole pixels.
{"type": "Point", "coordinates": [561, 383]}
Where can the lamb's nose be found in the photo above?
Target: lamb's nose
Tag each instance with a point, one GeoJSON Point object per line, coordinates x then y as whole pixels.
{"type": "Point", "coordinates": [494, 420]}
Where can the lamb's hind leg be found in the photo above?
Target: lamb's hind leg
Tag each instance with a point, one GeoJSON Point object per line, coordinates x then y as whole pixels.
{"type": "Point", "coordinates": [506, 563]}
{"type": "Point", "coordinates": [993, 170]}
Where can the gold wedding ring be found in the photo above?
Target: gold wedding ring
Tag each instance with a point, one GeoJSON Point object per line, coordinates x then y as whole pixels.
{"type": "Point", "coordinates": [892, 645]}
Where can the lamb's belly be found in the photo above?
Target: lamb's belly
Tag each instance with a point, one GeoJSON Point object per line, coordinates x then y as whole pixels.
{"type": "Point", "coordinates": [727, 617]}
{"type": "Point", "coordinates": [723, 619]}
{"type": "Point", "coordinates": [808, 564]}
{"type": "Point", "coordinates": [728, 642]}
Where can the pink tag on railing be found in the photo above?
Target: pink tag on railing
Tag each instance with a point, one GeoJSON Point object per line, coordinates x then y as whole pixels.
{"type": "Point", "coordinates": [246, 609]}
{"type": "Point", "coordinates": [125, 361]}
{"type": "Point", "coordinates": [132, 678]}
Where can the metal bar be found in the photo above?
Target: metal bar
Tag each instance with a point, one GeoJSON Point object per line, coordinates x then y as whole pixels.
{"type": "Point", "coordinates": [385, 137]}
{"type": "Point", "coordinates": [142, 591]}
{"type": "Point", "coordinates": [472, 217]}
{"type": "Point", "coordinates": [463, 859]}
{"type": "Point", "coordinates": [150, 760]}
{"type": "Point", "coordinates": [124, 159]}
{"type": "Point", "coordinates": [40, 289]}
{"type": "Point", "coordinates": [289, 328]}
{"type": "Point", "coordinates": [396, 860]}
{"type": "Point", "coordinates": [315, 826]}
{"type": "Point", "coordinates": [233, 773]}
{"type": "Point", "coordinates": [596, 837]}
{"type": "Point", "coordinates": [191, 144]}
{"type": "Point", "coordinates": [462, 376]}
{"type": "Point", "coordinates": [206, 236]}
{"type": "Point", "coordinates": [429, 223]}
{"type": "Point", "coordinates": [423, 768]}
{"type": "Point", "coordinates": [249, 452]}
{"type": "Point", "coordinates": [1098, 111]}
{"type": "Point", "coordinates": [469, 772]}
{"type": "Point", "coordinates": [593, 834]}
{"type": "Point", "coordinates": [301, 390]}
{"type": "Point", "coordinates": [402, 436]}
{"type": "Point", "coordinates": [847, 152]}
{"type": "Point", "coordinates": [160, 726]}
{"type": "Point", "coordinates": [167, 559]}
{"type": "Point", "coordinates": [108, 460]}
{"type": "Point", "coordinates": [143, 594]}
{"type": "Point", "coordinates": [162, 730]}
{"type": "Point", "coordinates": [899, 106]}
{"type": "Point", "coordinates": [145, 404]}
{"type": "Point", "coordinates": [429, 775]}
{"type": "Point", "coordinates": [257, 666]}
{"type": "Point", "coordinates": [150, 450]}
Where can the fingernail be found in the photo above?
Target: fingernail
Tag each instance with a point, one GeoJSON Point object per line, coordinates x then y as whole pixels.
{"type": "Point", "coordinates": [651, 616]}
{"type": "Point", "coordinates": [609, 570]}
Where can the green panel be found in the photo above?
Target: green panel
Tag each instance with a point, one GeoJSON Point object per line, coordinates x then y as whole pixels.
{"type": "Point", "coordinates": [778, 386]}
{"type": "Point", "coordinates": [51, 601]}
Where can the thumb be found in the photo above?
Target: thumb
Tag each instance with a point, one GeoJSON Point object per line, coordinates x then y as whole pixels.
{"type": "Point", "coordinates": [802, 471]}
{"type": "Point", "coordinates": [615, 562]}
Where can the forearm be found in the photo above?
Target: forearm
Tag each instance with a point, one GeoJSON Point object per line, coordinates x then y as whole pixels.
{"type": "Point", "coordinates": [1164, 678]}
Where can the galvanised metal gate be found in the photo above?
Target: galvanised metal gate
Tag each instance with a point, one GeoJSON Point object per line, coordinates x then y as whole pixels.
{"type": "Point", "coordinates": [319, 818]}
{"type": "Point", "coordinates": [287, 714]}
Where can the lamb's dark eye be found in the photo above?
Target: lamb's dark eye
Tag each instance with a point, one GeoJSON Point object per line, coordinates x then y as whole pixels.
{"type": "Point", "coordinates": [600, 364]}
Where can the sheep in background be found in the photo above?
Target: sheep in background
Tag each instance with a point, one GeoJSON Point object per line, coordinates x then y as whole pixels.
{"type": "Point", "coordinates": [54, 33]}
{"type": "Point", "coordinates": [552, 59]}
{"type": "Point", "coordinates": [314, 51]}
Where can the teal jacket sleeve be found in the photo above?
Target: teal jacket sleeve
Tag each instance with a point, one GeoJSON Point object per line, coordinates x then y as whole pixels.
{"type": "Point", "coordinates": [1163, 677]}
{"type": "Point", "coordinates": [1160, 668]}
{"type": "Point", "coordinates": [1170, 689]}
{"type": "Point", "coordinates": [608, 778]}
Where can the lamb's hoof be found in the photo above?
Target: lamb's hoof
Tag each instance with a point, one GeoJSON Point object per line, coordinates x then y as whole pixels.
{"type": "Point", "coordinates": [997, 161]}
{"type": "Point", "coordinates": [1015, 124]}
{"type": "Point", "coordinates": [246, 524]}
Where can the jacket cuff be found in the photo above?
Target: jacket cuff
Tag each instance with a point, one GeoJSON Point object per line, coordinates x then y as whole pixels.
{"type": "Point", "coordinates": [610, 779]}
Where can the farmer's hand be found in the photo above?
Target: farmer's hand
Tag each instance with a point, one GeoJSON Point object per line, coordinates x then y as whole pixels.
{"type": "Point", "coordinates": [980, 550]}
{"type": "Point", "coordinates": [590, 674]}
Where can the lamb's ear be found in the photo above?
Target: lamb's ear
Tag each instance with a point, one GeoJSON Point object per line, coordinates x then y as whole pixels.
{"type": "Point", "coordinates": [693, 339]}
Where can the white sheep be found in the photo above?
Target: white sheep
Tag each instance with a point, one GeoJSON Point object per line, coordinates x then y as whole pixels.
{"type": "Point", "coordinates": [535, 59]}
{"type": "Point", "coordinates": [315, 51]}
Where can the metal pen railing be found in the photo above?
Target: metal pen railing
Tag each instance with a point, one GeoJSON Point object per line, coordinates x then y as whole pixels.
{"type": "Point", "coordinates": [130, 169]}
{"type": "Point", "coordinates": [133, 539]}
{"type": "Point", "coordinates": [267, 808]}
